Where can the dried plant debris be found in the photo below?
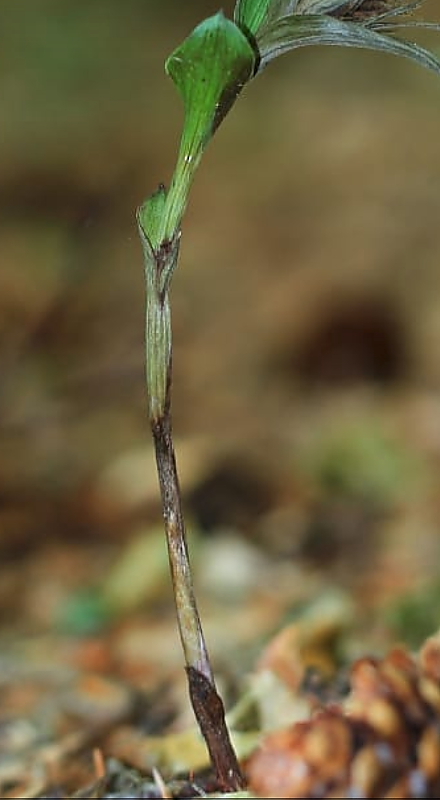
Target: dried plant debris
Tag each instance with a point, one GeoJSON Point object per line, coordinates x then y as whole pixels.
{"type": "Point", "coordinates": [378, 738]}
{"type": "Point", "coordinates": [382, 741]}
{"type": "Point", "coordinates": [122, 783]}
{"type": "Point", "coordinates": [356, 10]}
{"type": "Point", "coordinates": [363, 9]}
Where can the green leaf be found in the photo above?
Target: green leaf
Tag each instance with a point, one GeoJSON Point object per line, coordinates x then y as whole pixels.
{"type": "Point", "coordinates": [209, 69]}
{"type": "Point", "coordinates": [294, 31]}
{"type": "Point", "coordinates": [250, 14]}
{"type": "Point", "coordinates": [253, 15]}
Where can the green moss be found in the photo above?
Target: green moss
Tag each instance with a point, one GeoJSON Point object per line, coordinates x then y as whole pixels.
{"type": "Point", "coordinates": [415, 616]}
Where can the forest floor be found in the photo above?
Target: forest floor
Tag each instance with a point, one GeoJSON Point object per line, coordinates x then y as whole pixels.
{"type": "Point", "coordinates": [306, 408]}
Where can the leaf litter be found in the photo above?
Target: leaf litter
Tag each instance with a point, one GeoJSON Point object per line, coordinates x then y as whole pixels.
{"type": "Point", "coordinates": [92, 698]}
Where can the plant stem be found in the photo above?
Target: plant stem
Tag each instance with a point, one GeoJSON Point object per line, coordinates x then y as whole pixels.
{"type": "Point", "coordinates": [206, 702]}
{"type": "Point", "coordinates": [160, 261]}
{"type": "Point", "coordinates": [191, 634]}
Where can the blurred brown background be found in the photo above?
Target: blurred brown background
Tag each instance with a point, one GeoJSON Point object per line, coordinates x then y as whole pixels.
{"type": "Point", "coordinates": [306, 305]}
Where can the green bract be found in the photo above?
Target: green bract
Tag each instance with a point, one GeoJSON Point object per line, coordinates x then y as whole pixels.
{"type": "Point", "coordinates": [219, 57]}
{"type": "Point", "coordinates": [209, 69]}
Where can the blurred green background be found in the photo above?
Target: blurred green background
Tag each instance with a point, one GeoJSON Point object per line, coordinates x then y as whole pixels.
{"type": "Point", "coordinates": [306, 305]}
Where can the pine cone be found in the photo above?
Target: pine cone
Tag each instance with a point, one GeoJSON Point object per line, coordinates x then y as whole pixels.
{"type": "Point", "coordinates": [382, 741]}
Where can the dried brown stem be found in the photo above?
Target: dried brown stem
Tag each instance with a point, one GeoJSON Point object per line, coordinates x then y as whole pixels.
{"type": "Point", "coordinates": [209, 710]}
{"type": "Point", "coordinates": [160, 262]}
{"type": "Point", "coordinates": [206, 702]}
{"type": "Point", "coordinates": [191, 634]}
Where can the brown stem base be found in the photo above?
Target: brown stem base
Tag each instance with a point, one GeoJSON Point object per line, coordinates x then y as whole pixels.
{"type": "Point", "coordinates": [207, 705]}
{"type": "Point", "coordinates": [210, 713]}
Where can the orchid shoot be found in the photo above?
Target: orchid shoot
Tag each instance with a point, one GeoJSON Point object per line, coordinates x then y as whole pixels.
{"type": "Point", "coordinates": [210, 69]}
